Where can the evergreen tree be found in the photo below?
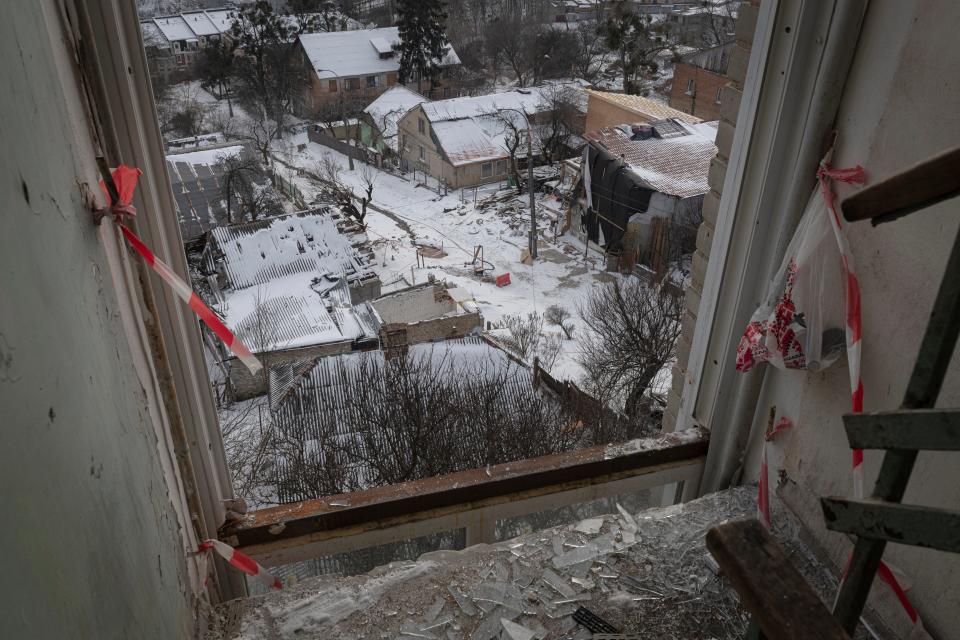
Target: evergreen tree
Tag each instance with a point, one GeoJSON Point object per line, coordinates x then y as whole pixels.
{"type": "Point", "coordinates": [422, 39]}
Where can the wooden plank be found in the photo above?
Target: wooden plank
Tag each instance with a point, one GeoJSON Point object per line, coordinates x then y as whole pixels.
{"type": "Point", "coordinates": [770, 587]}
{"type": "Point", "coordinates": [917, 429]}
{"type": "Point", "coordinates": [905, 524]}
{"type": "Point", "coordinates": [918, 187]}
{"type": "Point", "coordinates": [380, 507]}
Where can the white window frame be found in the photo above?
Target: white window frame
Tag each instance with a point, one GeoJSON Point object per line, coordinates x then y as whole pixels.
{"type": "Point", "coordinates": [486, 170]}
{"type": "Point", "coordinates": [790, 83]}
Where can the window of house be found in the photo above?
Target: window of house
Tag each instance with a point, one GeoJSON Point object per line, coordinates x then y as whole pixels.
{"type": "Point", "coordinates": [352, 84]}
{"type": "Point", "coordinates": [423, 154]}
{"type": "Point", "coordinates": [372, 82]}
{"type": "Point", "coordinates": [718, 95]}
{"type": "Point", "coordinates": [501, 167]}
{"type": "Point", "coordinates": [486, 169]}
{"type": "Point", "coordinates": [332, 86]}
{"type": "Point", "coordinates": [691, 86]}
{"type": "Point", "coordinates": [446, 92]}
{"type": "Point", "coordinates": [421, 127]}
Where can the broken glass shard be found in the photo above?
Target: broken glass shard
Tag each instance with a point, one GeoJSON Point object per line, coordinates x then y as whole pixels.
{"type": "Point", "coordinates": [590, 526]}
{"type": "Point", "coordinates": [575, 556]}
{"type": "Point", "coordinates": [557, 583]}
{"type": "Point", "coordinates": [465, 604]}
{"type": "Point", "coordinates": [516, 631]}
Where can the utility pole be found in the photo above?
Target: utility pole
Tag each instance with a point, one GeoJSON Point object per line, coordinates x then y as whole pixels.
{"type": "Point", "coordinates": [533, 202]}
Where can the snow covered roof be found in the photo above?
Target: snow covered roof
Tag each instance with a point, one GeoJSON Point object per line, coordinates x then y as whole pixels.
{"type": "Point", "coordinates": [526, 100]}
{"type": "Point", "coordinates": [472, 129]}
{"type": "Point", "coordinates": [195, 181]}
{"type": "Point", "coordinates": [356, 53]}
{"type": "Point", "coordinates": [647, 109]}
{"type": "Point", "coordinates": [288, 281]}
{"type": "Point", "coordinates": [189, 25]}
{"type": "Point", "coordinates": [315, 242]}
{"type": "Point", "coordinates": [390, 106]}
{"type": "Point", "coordinates": [174, 28]}
{"type": "Point", "coordinates": [674, 165]}
{"type": "Point", "coordinates": [222, 18]}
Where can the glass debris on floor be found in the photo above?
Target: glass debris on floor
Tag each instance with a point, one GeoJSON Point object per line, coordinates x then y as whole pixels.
{"type": "Point", "coordinates": [646, 573]}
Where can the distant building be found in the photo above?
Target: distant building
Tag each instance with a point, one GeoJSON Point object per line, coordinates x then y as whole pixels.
{"type": "Point", "coordinates": [174, 42]}
{"type": "Point", "coordinates": [640, 179]}
{"type": "Point", "coordinates": [608, 109]}
{"type": "Point", "coordinates": [428, 312]}
{"type": "Point", "coordinates": [707, 23]}
{"type": "Point", "coordinates": [697, 82]}
{"type": "Point", "coordinates": [464, 141]}
{"type": "Point", "coordinates": [354, 67]}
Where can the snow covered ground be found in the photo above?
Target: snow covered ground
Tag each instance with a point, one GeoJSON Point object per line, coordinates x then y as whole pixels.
{"type": "Point", "coordinates": [415, 215]}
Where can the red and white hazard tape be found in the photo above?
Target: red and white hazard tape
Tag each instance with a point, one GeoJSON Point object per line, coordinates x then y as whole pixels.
{"type": "Point", "coordinates": [241, 561]}
{"type": "Point", "coordinates": [826, 174]}
{"type": "Point", "coordinates": [855, 175]}
{"type": "Point", "coordinates": [125, 181]}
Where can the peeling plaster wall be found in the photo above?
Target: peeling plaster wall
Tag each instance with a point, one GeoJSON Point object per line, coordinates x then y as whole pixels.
{"type": "Point", "coordinates": [899, 107]}
{"type": "Point", "coordinates": [92, 541]}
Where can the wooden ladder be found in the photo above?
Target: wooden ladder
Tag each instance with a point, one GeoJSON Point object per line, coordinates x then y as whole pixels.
{"type": "Point", "coordinates": [781, 603]}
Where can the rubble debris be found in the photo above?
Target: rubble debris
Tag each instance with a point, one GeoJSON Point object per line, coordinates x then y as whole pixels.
{"type": "Point", "coordinates": [658, 584]}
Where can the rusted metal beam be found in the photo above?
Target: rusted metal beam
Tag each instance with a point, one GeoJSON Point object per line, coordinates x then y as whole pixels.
{"type": "Point", "coordinates": [267, 533]}
{"type": "Point", "coordinates": [905, 524]}
{"type": "Point", "coordinates": [917, 430]}
{"type": "Point", "coordinates": [781, 602]}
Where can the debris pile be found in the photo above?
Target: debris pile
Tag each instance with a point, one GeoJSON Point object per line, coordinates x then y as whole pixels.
{"type": "Point", "coordinates": [646, 574]}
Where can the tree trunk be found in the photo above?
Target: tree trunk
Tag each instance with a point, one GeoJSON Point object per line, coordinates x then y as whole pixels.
{"type": "Point", "coordinates": [634, 403]}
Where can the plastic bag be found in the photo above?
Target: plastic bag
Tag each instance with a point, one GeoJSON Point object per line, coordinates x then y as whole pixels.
{"type": "Point", "coordinates": [802, 322]}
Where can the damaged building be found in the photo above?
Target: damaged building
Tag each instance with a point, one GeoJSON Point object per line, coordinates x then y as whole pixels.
{"type": "Point", "coordinates": [639, 181]}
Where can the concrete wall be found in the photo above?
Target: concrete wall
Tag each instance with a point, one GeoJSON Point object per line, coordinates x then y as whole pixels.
{"type": "Point", "coordinates": [707, 95]}
{"type": "Point", "coordinates": [413, 304]}
{"type": "Point", "coordinates": [92, 540]}
{"type": "Point", "coordinates": [246, 385]}
{"type": "Point", "coordinates": [444, 328]}
{"type": "Point", "coordinates": [899, 107]}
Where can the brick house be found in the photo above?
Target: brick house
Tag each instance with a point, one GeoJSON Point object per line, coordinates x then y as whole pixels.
{"type": "Point", "coordinates": [354, 67]}
{"type": "Point", "coordinates": [697, 81]}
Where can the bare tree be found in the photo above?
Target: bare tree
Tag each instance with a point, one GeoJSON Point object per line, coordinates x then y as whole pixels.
{"type": "Point", "coordinates": [369, 175]}
{"type": "Point", "coordinates": [524, 335]}
{"type": "Point", "coordinates": [243, 179]}
{"type": "Point", "coordinates": [559, 316]}
{"type": "Point", "coordinates": [330, 175]}
{"type": "Point", "coordinates": [509, 40]}
{"type": "Point", "coordinates": [590, 56]}
{"type": "Point", "coordinates": [549, 350]}
{"type": "Point", "coordinates": [559, 106]}
{"type": "Point", "coordinates": [631, 334]}
{"type": "Point", "coordinates": [248, 441]}
{"type": "Point", "coordinates": [515, 132]}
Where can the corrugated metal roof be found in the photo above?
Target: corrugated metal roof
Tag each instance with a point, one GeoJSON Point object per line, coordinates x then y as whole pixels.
{"type": "Point", "coordinates": [310, 241]}
{"type": "Point", "coordinates": [675, 165]}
